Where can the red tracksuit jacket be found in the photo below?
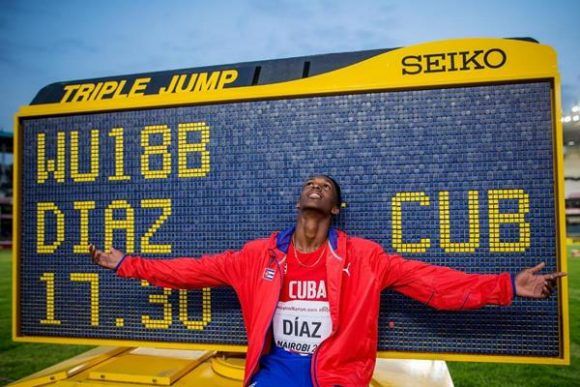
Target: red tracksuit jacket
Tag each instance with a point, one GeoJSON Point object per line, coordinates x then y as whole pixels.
{"type": "Point", "coordinates": [357, 271]}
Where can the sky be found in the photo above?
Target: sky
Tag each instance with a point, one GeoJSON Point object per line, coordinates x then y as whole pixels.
{"type": "Point", "coordinates": [42, 42]}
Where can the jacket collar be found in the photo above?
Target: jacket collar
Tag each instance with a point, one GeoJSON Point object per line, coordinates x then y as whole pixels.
{"type": "Point", "coordinates": [284, 238]}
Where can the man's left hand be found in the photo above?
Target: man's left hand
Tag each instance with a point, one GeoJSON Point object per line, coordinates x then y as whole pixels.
{"type": "Point", "coordinates": [533, 285]}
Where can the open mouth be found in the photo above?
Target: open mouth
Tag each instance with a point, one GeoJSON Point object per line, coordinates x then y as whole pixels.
{"type": "Point", "coordinates": [314, 195]}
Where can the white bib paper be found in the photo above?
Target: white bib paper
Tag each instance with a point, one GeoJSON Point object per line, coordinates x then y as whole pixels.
{"type": "Point", "coordinates": [301, 325]}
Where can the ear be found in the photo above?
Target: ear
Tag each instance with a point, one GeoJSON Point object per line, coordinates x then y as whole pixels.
{"type": "Point", "coordinates": [298, 204]}
{"type": "Point", "coordinates": [335, 210]}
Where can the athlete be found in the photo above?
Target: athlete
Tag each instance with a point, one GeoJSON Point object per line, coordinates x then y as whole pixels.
{"type": "Point", "coordinates": [310, 294]}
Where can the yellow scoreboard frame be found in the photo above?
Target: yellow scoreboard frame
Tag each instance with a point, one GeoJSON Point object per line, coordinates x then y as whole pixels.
{"type": "Point", "coordinates": [429, 65]}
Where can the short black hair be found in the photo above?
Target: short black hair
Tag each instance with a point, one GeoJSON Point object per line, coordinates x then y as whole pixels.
{"type": "Point", "coordinates": [336, 188]}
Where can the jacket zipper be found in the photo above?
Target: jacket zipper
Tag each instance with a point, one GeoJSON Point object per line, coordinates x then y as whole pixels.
{"type": "Point", "coordinates": [314, 357]}
{"type": "Point", "coordinates": [271, 315]}
{"type": "Point", "coordinates": [315, 354]}
{"type": "Point", "coordinates": [313, 365]}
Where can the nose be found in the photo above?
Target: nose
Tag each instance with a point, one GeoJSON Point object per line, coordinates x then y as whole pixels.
{"type": "Point", "coordinates": [316, 185]}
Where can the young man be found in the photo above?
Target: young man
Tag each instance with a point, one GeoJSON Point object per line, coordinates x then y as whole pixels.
{"type": "Point", "coordinates": [310, 294]}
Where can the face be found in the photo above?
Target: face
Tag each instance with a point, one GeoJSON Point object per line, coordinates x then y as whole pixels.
{"type": "Point", "coordinates": [319, 193]}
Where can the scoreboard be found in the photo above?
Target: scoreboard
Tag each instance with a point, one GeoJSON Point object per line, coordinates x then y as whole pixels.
{"type": "Point", "coordinates": [447, 152]}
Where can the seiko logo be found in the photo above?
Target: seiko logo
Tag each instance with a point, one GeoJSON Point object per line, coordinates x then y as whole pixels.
{"type": "Point", "coordinates": [453, 61]}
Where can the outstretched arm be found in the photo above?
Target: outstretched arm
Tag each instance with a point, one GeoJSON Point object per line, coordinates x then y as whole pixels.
{"type": "Point", "coordinates": [179, 273]}
{"type": "Point", "coordinates": [448, 289]}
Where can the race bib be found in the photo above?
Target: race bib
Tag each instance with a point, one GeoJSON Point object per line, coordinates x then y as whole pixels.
{"type": "Point", "coordinates": [301, 325]}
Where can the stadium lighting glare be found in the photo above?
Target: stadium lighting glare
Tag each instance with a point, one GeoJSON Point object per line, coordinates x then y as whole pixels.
{"type": "Point", "coordinates": [576, 118]}
{"type": "Point", "coordinates": [576, 108]}
{"type": "Point", "coordinates": [571, 143]}
{"type": "Point", "coordinates": [567, 119]}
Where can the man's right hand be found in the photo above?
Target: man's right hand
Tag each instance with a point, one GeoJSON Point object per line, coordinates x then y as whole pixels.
{"type": "Point", "coordinates": [108, 260]}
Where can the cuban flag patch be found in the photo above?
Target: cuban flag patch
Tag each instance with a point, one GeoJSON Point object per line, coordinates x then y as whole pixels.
{"type": "Point", "coordinates": [269, 274]}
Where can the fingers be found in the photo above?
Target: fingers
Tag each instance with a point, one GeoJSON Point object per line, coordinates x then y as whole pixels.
{"type": "Point", "coordinates": [96, 254]}
{"type": "Point", "coordinates": [554, 276]}
{"type": "Point", "coordinates": [546, 292]}
{"type": "Point", "coordinates": [549, 287]}
{"type": "Point", "coordinates": [538, 267]}
{"type": "Point", "coordinates": [550, 280]}
{"type": "Point", "coordinates": [550, 283]}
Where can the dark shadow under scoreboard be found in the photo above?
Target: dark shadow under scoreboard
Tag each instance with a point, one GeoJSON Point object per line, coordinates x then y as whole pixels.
{"type": "Point", "coordinates": [457, 176]}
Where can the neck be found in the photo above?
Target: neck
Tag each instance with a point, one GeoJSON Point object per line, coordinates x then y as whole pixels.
{"type": "Point", "coordinates": [311, 231]}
